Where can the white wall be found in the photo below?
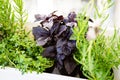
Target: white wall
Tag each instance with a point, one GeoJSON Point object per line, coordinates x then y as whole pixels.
{"type": "Point", "coordinates": [38, 6]}
{"type": "Point", "coordinates": [65, 6]}
{"type": "Point", "coordinates": [48, 6]}
{"type": "Point", "coordinates": [117, 13]}
{"type": "Point", "coordinates": [110, 20]}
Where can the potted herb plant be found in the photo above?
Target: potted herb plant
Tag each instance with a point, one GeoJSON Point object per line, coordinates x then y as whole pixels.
{"type": "Point", "coordinates": [97, 53]}
{"type": "Point", "coordinates": [16, 48]}
{"type": "Point", "coordinates": [65, 42]}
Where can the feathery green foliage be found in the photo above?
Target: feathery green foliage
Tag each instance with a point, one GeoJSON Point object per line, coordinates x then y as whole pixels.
{"type": "Point", "coordinates": [98, 56]}
{"type": "Point", "coordinates": [16, 48]}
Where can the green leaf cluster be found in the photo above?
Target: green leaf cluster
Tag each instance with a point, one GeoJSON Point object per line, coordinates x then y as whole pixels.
{"type": "Point", "coordinates": [96, 57]}
{"type": "Point", "coordinates": [16, 48]}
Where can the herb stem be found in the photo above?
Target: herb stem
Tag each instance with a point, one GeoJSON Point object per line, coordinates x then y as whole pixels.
{"type": "Point", "coordinates": [9, 59]}
{"type": "Point", "coordinates": [89, 56]}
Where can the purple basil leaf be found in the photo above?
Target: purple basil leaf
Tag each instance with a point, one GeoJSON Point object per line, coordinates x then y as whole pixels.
{"type": "Point", "coordinates": [71, 24]}
{"type": "Point", "coordinates": [42, 41]}
{"type": "Point", "coordinates": [60, 58]}
{"type": "Point", "coordinates": [49, 52]}
{"type": "Point", "coordinates": [61, 42]}
{"type": "Point", "coordinates": [62, 29]}
{"type": "Point", "coordinates": [67, 50]}
{"type": "Point", "coordinates": [39, 17]}
{"type": "Point", "coordinates": [65, 20]}
{"type": "Point", "coordinates": [59, 66]}
{"type": "Point", "coordinates": [62, 47]}
{"type": "Point", "coordinates": [47, 24]}
{"type": "Point", "coordinates": [54, 29]}
{"type": "Point", "coordinates": [39, 32]}
{"type": "Point", "coordinates": [71, 16]}
{"type": "Point", "coordinates": [58, 19]}
{"type": "Point", "coordinates": [70, 64]}
{"type": "Point", "coordinates": [67, 34]}
{"type": "Point", "coordinates": [72, 44]}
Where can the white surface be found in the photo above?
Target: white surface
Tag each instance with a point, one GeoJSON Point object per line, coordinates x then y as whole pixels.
{"type": "Point", "coordinates": [48, 6]}
{"type": "Point", "coordinates": [117, 13]}
{"type": "Point", "coordinates": [116, 73]}
{"type": "Point", "coordinates": [14, 74]}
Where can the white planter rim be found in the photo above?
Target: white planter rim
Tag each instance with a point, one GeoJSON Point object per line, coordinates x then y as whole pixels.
{"type": "Point", "coordinates": [8, 73]}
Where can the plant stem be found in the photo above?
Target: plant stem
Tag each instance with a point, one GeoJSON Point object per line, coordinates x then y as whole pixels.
{"type": "Point", "coordinates": [12, 63]}
{"type": "Point", "coordinates": [89, 57]}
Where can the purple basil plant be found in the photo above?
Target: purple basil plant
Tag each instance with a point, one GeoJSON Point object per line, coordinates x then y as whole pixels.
{"type": "Point", "coordinates": [53, 35]}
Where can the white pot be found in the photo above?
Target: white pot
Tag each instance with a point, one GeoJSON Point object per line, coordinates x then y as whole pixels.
{"type": "Point", "coordinates": [116, 73]}
{"type": "Point", "coordinates": [14, 74]}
